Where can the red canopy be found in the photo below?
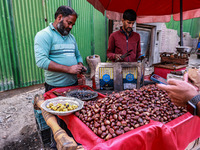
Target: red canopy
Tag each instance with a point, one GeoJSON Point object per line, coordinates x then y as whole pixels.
{"type": "Point", "coordinates": [149, 10]}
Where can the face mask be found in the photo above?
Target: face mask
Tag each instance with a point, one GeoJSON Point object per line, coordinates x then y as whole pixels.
{"type": "Point", "coordinates": [61, 28]}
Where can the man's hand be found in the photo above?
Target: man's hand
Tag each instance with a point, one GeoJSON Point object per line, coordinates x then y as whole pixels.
{"type": "Point", "coordinates": [179, 91]}
{"type": "Point", "coordinates": [84, 69]}
{"type": "Point", "coordinates": [75, 69]}
{"type": "Point", "coordinates": [194, 77]}
{"type": "Point", "coordinates": [118, 57]}
{"type": "Point", "coordinates": [141, 57]}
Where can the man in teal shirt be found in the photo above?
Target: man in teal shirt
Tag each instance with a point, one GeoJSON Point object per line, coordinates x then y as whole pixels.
{"type": "Point", "coordinates": [56, 50]}
{"type": "Point", "coordinates": [57, 53]}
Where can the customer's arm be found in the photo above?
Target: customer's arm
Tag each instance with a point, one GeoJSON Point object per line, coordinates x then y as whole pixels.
{"type": "Point", "coordinates": [64, 142]}
{"type": "Point", "coordinates": [180, 92]}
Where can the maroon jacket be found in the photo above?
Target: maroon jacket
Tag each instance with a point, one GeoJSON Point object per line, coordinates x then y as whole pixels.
{"type": "Point", "coordinates": [119, 43]}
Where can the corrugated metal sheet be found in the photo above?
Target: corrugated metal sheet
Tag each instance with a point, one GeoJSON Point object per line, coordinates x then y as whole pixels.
{"type": "Point", "coordinates": [28, 20]}
{"type": "Point", "coordinates": [22, 19]}
{"type": "Point", "coordinates": [89, 30]}
{"type": "Point", "coordinates": [83, 29]}
{"type": "Point", "coordinates": [100, 34]}
{"type": "Point", "coordinates": [6, 72]}
{"type": "Point", "coordinates": [51, 7]}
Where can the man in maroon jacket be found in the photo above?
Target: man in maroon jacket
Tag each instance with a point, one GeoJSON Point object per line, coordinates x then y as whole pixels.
{"type": "Point", "coordinates": [125, 40]}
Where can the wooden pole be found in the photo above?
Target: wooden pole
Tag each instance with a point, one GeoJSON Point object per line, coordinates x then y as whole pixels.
{"type": "Point", "coordinates": [181, 23]}
{"type": "Point", "coordinates": [64, 142]}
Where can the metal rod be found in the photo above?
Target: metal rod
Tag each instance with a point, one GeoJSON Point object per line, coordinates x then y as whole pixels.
{"type": "Point", "coordinates": [181, 23]}
{"type": "Point", "coordinates": [106, 34]}
{"type": "Point", "coordinates": [92, 31]}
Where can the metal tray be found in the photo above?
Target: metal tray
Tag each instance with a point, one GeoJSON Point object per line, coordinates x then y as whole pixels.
{"type": "Point", "coordinates": [83, 94]}
{"type": "Point", "coordinates": [62, 100]}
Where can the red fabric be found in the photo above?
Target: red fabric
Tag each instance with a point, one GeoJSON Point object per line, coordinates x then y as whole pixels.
{"type": "Point", "coordinates": [163, 71]}
{"type": "Point", "coordinates": [185, 129]}
{"type": "Point", "coordinates": [117, 45]}
{"type": "Point", "coordinates": [175, 135]}
{"type": "Point", "coordinates": [149, 11]}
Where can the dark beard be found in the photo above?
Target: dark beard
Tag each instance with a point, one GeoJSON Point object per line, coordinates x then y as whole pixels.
{"type": "Point", "coordinates": [129, 31]}
{"type": "Point", "coordinates": [63, 31]}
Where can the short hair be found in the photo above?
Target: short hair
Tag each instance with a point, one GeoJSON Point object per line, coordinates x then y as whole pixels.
{"type": "Point", "coordinates": [130, 15]}
{"type": "Point", "coordinates": [65, 11]}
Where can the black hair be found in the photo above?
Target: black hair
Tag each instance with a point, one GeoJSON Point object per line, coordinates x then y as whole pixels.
{"type": "Point", "coordinates": [65, 11]}
{"type": "Point", "coordinates": [130, 15]}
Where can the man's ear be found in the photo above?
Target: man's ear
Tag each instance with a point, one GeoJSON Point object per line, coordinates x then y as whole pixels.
{"type": "Point", "coordinates": [59, 18]}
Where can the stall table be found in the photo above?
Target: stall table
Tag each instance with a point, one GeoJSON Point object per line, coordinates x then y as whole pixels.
{"type": "Point", "coordinates": [163, 69]}
{"type": "Point", "coordinates": [174, 135]}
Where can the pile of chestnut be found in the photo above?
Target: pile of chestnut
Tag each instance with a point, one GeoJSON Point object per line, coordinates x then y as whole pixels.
{"type": "Point", "coordinates": [121, 112]}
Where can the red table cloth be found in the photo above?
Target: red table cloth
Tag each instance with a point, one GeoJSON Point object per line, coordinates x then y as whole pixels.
{"type": "Point", "coordinates": [175, 135]}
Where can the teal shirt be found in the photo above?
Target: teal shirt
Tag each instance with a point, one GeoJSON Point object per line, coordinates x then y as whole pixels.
{"type": "Point", "coordinates": [50, 45]}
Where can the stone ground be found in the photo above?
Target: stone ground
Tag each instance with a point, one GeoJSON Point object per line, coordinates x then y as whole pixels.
{"type": "Point", "coordinates": [18, 130]}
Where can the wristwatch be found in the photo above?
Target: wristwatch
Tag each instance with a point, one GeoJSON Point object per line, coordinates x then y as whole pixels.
{"type": "Point", "coordinates": [192, 104]}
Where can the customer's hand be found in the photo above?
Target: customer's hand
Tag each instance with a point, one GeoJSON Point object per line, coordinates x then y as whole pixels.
{"type": "Point", "coordinates": [179, 91]}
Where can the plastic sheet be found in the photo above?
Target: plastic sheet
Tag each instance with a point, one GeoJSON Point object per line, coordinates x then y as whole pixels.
{"type": "Point", "coordinates": [175, 135]}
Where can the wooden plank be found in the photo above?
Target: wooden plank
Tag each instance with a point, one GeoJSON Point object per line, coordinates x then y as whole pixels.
{"type": "Point", "coordinates": [169, 66]}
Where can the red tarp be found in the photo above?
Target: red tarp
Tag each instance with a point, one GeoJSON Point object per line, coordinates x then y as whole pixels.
{"type": "Point", "coordinates": [175, 135]}
{"type": "Point", "coordinates": [149, 10]}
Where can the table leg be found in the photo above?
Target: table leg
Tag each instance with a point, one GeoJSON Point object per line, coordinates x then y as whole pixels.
{"type": "Point", "coordinates": [64, 142]}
